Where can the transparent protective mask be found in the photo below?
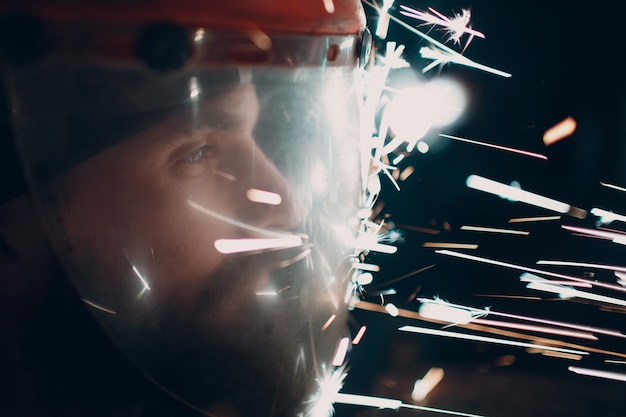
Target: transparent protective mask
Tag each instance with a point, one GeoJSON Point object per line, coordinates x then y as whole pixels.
{"type": "Point", "coordinates": [200, 215]}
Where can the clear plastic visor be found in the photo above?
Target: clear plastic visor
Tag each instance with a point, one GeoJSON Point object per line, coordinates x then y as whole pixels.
{"type": "Point", "coordinates": [203, 217]}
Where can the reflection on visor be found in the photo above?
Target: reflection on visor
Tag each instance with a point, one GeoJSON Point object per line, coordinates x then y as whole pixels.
{"type": "Point", "coordinates": [199, 222]}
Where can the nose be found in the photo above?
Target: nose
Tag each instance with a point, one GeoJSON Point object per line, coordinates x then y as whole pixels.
{"type": "Point", "coordinates": [267, 198]}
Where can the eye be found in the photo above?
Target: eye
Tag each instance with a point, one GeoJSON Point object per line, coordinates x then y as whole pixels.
{"type": "Point", "coordinates": [199, 155]}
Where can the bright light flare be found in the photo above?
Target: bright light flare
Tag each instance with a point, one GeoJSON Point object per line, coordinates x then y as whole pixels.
{"type": "Point", "coordinates": [476, 338]}
{"type": "Point", "coordinates": [583, 265]}
{"type": "Point", "coordinates": [606, 217]}
{"type": "Point", "coordinates": [569, 292]}
{"type": "Point", "coordinates": [442, 311]}
{"type": "Point", "coordinates": [146, 286]}
{"type": "Point", "coordinates": [426, 384]}
{"type": "Point", "coordinates": [534, 219]}
{"type": "Point", "coordinates": [559, 131]}
{"type": "Point", "coordinates": [499, 147]}
{"type": "Point", "coordinates": [341, 352]}
{"type": "Point", "coordinates": [359, 336]}
{"type": "Point", "coordinates": [264, 197]}
{"type": "Point", "coordinates": [228, 246]}
{"type": "Point", "coordinates": [450, 245]}
{"type": "Point", "coordinates": [392, 310]}
{"type": "Point", "coordinates": [613, 186]}
{"type": "Point", "coordinates": [516, 194]}
{"type": "Point", "coordinates": [413, 111]}
{"type": "Point", "coordinates": [494, 230]}
{"type": "Point", "coordinates": [598, 373]}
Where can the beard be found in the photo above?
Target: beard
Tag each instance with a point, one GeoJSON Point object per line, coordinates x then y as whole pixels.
{"type": "Point", "coordinates": [229, 348]}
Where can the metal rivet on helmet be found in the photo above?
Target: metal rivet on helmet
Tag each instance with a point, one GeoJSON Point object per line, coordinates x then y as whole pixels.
{"type": "Point", "coordinates": [163, 46]}
{"type": "Point", "coordinates": [366, 47]}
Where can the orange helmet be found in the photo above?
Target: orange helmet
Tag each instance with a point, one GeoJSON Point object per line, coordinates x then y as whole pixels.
{"type": "Point", "coordinates": [197, 166]}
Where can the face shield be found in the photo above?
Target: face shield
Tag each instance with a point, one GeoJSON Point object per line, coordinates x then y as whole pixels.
{"type": "Point", "coordinates": [202, 213]}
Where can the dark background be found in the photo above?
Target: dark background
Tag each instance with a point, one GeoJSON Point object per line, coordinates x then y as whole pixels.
{"type": "Point", "coordinates": [567, 59]}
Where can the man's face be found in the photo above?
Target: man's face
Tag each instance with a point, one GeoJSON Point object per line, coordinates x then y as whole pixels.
{"type": "Point", "coordinates": [157, 228]}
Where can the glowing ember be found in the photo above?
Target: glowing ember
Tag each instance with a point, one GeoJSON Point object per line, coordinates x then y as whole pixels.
{"type": "Point", "coordinates": [560, 131]}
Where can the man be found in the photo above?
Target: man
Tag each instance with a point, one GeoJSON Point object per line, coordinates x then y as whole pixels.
{"type": "Point", "coordinates": [196, 177]}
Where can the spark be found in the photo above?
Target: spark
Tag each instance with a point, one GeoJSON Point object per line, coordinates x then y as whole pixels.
{"type": "Point", "coordinates": [391, 404]}
{"type": "Point", "coordinates": [364, 279]}
{"type": "Point", "coordinates": [329, 384]}
{"type": "Point", "coordinates": [606, 217]}
{"type": "Point", "coordinates": [456, 26]}
{"type": "Point", "coordinates": [226, 175]}
{"type": "Point", "coordinates": [534, 219]}
{"type": "Point", "coordinates": [569, 292]}
{"type": "Point", "coordinates": [583, 265]}
{"type": "Point", "coordinates": [561, 324]}
{"type": "Point", "coordinates": [406, 173]}
{"type": "Point", "coordinates": [237, 223]}
{"type": "Point", "coordinates": [458, 58]}
{"type": "Point", "coordinates": [146, 286]}
{"type": "Point", "coordinates": [465, 336]}
{"type": "Point", "coordinates": [516, 194]}
{"type": "Point", "coordinates": [194, 88]}
{"type": "Point", "coordinates": [440, 57]}
{"type": "Point", "coordinates": [359, 335]}
{"type": "Point", "coordinates": [264, 197]}
{"type": "Point", "coordinates": [366, 267]}
{"type": "Point", "coordinates": [227, 246]}
{"type": "Point", "coordinates": [615, 237]}
{"type": "Point", "coordinates": [426, 384]}
{"type": "Point", "coordinates": [598, 266]}
{"type": "Point", "coordinates": [383, 20]}
{"type": "Point", "coordinates": [368, 241]}
{"type": "Point", "coordinates": [441, 310]}
{"type": "Point", "coordinates": [266, 293]}
{"type": "Point", "coordinates": [416, 316]}
{"type": "Point", "coordinates": [560, 131]}
{"type": "Point", "coordinates": [342, 351]}
{"type": "Point", "coordinates": [199, 35]}
{"type": "Point", "coordinates": [98, 306]}
{"type": "Point", "coordinates": [526, 277]}
{"type": "Point", "coordinates": [499, 147]}
{"type": "Point", "coordinates": [560, 355]}
{"type": "Point", "coordinates": [515, 297]}
{"type": "Point", "coordinates": [392, 310]}
{"type": "Point", "coordinates": [450, 245]}
{"type": "Point", "coordinates": [512, 266]}
{"type": "Point", "coordinates": [494, 230]}
{"type": "Point", "coordinates": [397, 159]}
{"type": "Point", "coordinates": [598, 373]}
{"type": "Point", "coordinates": [328, 322]}
{"type": "Point", "coordinates": [615, 187]}
{"type": "Point", "coordinates": [533, 328]}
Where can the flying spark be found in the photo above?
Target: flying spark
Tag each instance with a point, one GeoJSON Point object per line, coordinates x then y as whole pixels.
{"type": "Point", "coordinates": [499, 147]}
{"type": "Point", "coordinates": [494, 230]}
{"type": "Point", "coordinates": [560, 131]}
{"type": "Point", "coordinates": [465, 336]}
{"type": "Point", "coordinates": [598, 373]}
{"type": "Point", "coordinates": [263, 197]}
{"type": "Point", "coordinates": [228, 246]}
{"type": "Point", "coordinates": [615, 187]}
{"type": "Point", "coordinates": [516, 194]}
